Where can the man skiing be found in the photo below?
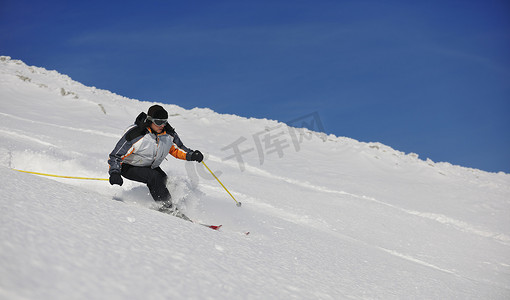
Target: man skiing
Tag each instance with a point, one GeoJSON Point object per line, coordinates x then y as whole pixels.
{"type": "Point", "coordinates": [141, 150]}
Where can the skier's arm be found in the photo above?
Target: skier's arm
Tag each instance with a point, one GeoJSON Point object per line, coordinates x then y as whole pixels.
{"type": "Point", "coordinates": [177, 153]}
{"type": "Point", "coordinates": [178, 142]}
{"type": "Point", "coordinates": [118, 154]}
{"type": "Point", "coordinates": [189, 156]}
{"type": "Point", "coordinates": [123, 148]}
{"type": "Point", "coordinates": [180, 151]}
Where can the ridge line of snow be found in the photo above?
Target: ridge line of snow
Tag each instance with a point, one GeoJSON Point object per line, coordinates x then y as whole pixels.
{"type": "Point", "coordinates": [463, 226]}
{"type": "Point", "coordinates": [415, 260]}
{"type": "Point", "coordinates": [36, 140]}
{"type": "Point", "coordinates": [62, 127]}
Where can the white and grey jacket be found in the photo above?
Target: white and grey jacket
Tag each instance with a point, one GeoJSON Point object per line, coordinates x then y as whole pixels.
{"type": "Point", "coordinates": [139, 146]}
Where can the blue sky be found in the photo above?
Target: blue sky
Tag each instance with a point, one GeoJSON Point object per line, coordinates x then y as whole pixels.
{"type": "Point", "coordinates": [429, 77]}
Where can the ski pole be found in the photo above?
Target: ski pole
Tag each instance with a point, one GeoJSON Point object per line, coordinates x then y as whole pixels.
{"type": "Point", "coordinates": [237, 202]}
{"type": "Point", "coordinates": [60, 176]}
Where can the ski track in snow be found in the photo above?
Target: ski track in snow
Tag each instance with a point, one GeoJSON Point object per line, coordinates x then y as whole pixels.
{"type": "Point", "coordinates": [324, 227]}
{"type": "Point", "coordinates": [457, 224]}
{"type": "Point", "coordinates": [303, 220]}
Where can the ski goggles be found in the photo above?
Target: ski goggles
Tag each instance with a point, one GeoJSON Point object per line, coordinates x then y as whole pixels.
{"type": "Point", "coordinates": [159, 122]}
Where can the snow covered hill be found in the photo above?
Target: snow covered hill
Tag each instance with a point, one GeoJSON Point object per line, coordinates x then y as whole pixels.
{"type": "Point", "coordinates": [329, 217]}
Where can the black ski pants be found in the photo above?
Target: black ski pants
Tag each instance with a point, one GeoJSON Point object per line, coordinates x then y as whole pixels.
{"type": "Point", "coordinates": [154, 178]}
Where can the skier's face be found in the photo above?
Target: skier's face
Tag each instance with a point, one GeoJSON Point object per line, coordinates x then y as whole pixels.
{"type": "Point", "coordinates": [156, 128]}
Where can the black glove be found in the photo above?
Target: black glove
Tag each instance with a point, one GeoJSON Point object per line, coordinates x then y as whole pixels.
{"type": "Point", "coordinates": [116, 179]}
{"type": "Point", "coordinates": [195, 156]}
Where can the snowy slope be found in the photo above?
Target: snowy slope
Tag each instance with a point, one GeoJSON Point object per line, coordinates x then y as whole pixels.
{"type": "Point", "coordinates": [329, 217]}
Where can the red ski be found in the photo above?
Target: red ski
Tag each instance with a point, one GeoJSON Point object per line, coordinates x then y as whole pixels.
{"type": "Point", "coordinates": [213, 227]}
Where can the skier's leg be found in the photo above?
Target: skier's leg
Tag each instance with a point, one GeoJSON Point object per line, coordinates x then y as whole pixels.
{"type": "Point", "coordinates": [154, 178]}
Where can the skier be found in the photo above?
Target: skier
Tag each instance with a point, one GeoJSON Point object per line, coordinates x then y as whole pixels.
{"type": "Point", "coordinates": [141, 150]}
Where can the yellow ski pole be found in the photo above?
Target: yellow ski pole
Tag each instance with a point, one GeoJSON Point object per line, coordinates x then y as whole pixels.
{"type": "Point", "coordinates": [60, 176]}
{"type": "Point", "coordinates": [237, 202]}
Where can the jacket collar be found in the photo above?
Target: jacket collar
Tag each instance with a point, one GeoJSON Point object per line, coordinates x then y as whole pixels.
{"type": "Point", "coordinates": [158, 134]}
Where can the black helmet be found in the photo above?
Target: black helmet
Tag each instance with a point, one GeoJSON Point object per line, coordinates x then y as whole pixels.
{"type": "Point", "coordinates": [157, 112]}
